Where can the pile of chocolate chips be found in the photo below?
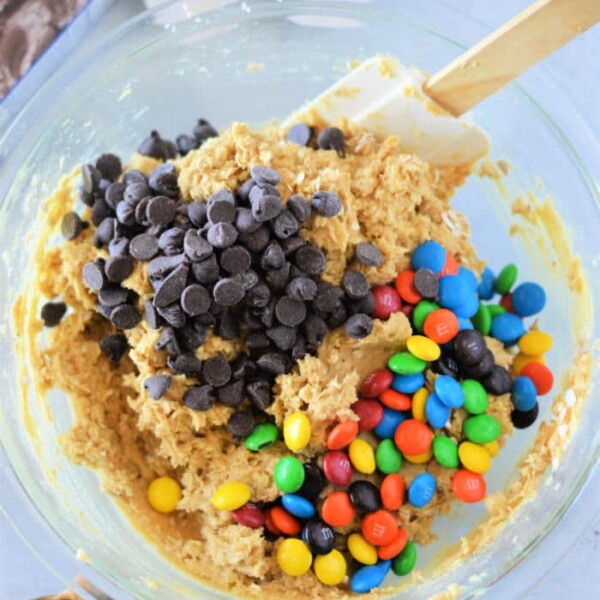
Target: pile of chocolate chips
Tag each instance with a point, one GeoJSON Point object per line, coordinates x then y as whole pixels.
{"type": "Point", "coordinates": [235, 263]}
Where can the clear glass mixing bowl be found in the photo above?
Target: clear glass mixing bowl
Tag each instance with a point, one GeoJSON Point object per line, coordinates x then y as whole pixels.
{"type": "Point", "coordinates": [166, 68]}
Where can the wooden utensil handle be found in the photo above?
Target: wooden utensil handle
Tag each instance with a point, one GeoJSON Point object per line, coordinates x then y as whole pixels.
{"type": "Point", "coordinates": [527, 38]}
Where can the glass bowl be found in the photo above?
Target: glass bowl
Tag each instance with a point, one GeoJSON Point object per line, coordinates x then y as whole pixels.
{"type": "Point", "coordinates": [255, 62]}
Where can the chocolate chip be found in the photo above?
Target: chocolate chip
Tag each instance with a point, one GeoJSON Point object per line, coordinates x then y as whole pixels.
{"type": "Point", "coordinates": [90, 177]}
{"type": "Point", "coordinates": [314, 329]}
{"type": "Point", "coordinates": [126, 214]}
{"type": "Point", "coordinates": [300, 134]}
{"type": "Point", "coordinates": [191, 338]}
{"type": "Point", "coordinates": [364, 305]}
{"type": "Point", "coordinates": [186, 143]}
{"type": "Point", "coordinates": [272, 256]}
{"type": "Point", "coordinates": [221, 235]}
{"type": "Point", "coordinates": [426, 283]}
{"type": "Point", "coordinates": [199, 397]}
{"type": "Point", "coordinates": [242, 366]}
{"type": "Point", "coordinates": [282, 336]}
{"type": "Point", "coordinates": [171, 241]}
{"type": "Point", "coordinates": [326, 204]}
{"type": "Point", "coordinates": [153, 146]}
{"type": "Point", "coordinates": [241, 423]}
{"type": "Point", "coordinates": [71, 226]}
{"type": "Point", "coordinates": [113, 295]}
{"type": "Point", "coordinates": [172, 287]}
{"type": "Point", "coordinates": [151, 315]}
{"type": "Point", "coordinates": [231, 394]}
{"type": "Point", "coordinates": [52, 313]}
{"type": "Point", "coordinates": [301, 288]}
{"type": "Point", "coordinates": [274, 363]}
{"type": "Point", "coordinates": [104, 232]}
{"type": "Point", "coordinates": [260, 191]}
{"type": "Point", "coordinates": [243, 192]}
{"type": "Point", "coordinates": [135, 192]}
{"type": "Point", "coordinates": [168, 342]}
{"type": "Point", "coordinates": [195, 246]}
{"type": "Point", "coordinates": [285, 225]}
{"type": "Point", "coordinates": [256, 241]}
{"type": "Point", "coordinates": [328, 297]}
{"type": "Point", "coordinates": [338, 317]}
{"type": "Point", "coordinates": [160, 211]}
{"type": "Point", "coordinates": [481, 369]}
{"type": "Point", "coordinates": [299, 349]}
{"type": "Point", "coordinates": [118, 247]}
{"type": "Point", "coordinates": [140, 212]}
{"type": "Point", "coordinates": [469, 347]}
{"type": "Point", "coordinates": [266, 208]}
{"type": "Point", "coordinates": [260, 393]}
{"type": "Point", "coordinates": [291, 244]}
{"type": "Point", "coordinates": [162, 265]}
{"type": "Point", "coordinates": [248, 279]}
{"type": "Point", "coordinates": [257, 340]}
{"type": "Point", "coordinates": [228, 291]}
{"type": "Point", "coordinates": [216, 371]}
{"type": "Point", "coordinates": [206, 271]}
{"type": "Point", "coordinates": [262, 174]}
{"type": "Point", "coordinates": [124, 316]}
{"type": "Point", "coordinates": [204, 130]}
{"type": "Point", "coordinates": [359, 326]}
{"type": "Point", "coordinates": [245, 222]}
{"type": "Point", "coordinates": [498, 382]}
{"type": "Point", "coordinates": [259, 295]}
{"type": "Point", "coordinates": [118, 268]}
{"type": "Point", "coordinates": [290, 312]}
{"type": "Point", "coordinates": [187, 364]}
{"type": "Point", "coordinates": [195, 300]}
{"type": "Point", "coordinates": [109, 166]}
{"type": "Point", "coordinates": [114, 346]}
{"type": "Point", "coordinates": [331, 138]}
{"type": "Point", "coordinates": [300, 207]}
{"type": "Point", "coordinates": [355, 285]}
{"type": "Point", "coordinates": [134, 176]}
{"type": "Point", "coordinates": [100, 211]}
{"type": "Point", "coordinates": [221, 211]}
{"type": "Point", "coordinates": [157, 386]}
{"type": "Point", "coordinates": [197, 213]}
{"type": "Point", "coordinates": [278, 278]}
{"type": "Point", "coordinates": [93, 276]}
{"type": "Point", "coordinates": [310, 259]}
{"type": "Point", "coordinates": [143, 246]}
{"type": "Point", "coordinates": [228, 326]}
{"type": "Point", "coordinates": [235, 259]}
{"type": "Point", "coordinates": [172, 314]}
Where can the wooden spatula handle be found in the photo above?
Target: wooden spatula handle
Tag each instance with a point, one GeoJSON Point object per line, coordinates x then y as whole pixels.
{"type": "Point", "coordinates": [527, 38]}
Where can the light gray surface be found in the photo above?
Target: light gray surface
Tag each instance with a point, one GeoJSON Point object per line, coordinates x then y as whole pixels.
{"type": "Point", "coordinates": [22, 576]}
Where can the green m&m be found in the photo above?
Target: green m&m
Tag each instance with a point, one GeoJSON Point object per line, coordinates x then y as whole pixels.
{"type": "Point", "coordinates": [404, 363]}
{"type": "Point", "coordinates": [289, 474]}
{"type": "Point", "coordinates": [506, 279]}
{"type": "Point", "coordinates": [420, 313]}
{"type": "Point", "coordinates": [445, 451]}
{"type": "Point", "coordinates": [404, 563]}
{"type": "Point", "coordinates": [482, 320]}
{"type": "Point", "coordinates": [387, 457]}
{"type": "Point", "coordinates": [476, 398]}
{"type": "Point", "coordinates": [481, 429]}
{"type": "Point", "coordinates": [263, 436]}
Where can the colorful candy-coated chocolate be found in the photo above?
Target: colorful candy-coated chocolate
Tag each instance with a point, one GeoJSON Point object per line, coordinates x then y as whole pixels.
{"type": "Point", "coordinates": [164, 494]}
{"type": "Point", "coordinates": [379, 527]}
{"type": "Point", "coordinates": [486, 285]}
{"type": "Point", "coordinates": [413, 437]}
{"type": "Point", "coordinates": [386, 302]}
{"type": "Point", "coordinates": [541, 376]}
{"type": "Point", "coordinates": [330, 568]}
{"type": "Point", "coordinates": [296, 431]}
{"type": "Point", "coordinates": [450, 266]}
{"type": "Point", "coordinates": [493, 448]}
{"type": "Point", "coordinates": [370, 413]}
{"type": "Point", "coordinates": [468, 486]}
{"type": "Point", "coordinates": [375, 383]}
{"type": "Point", "coordinates": [394, 548]}
{"type": "Point", "coordinates": [361, 550]}
{"type": "Point", "coordinates": [389, 423]}
{"type": "Point", "coordinates": [481, 429]}
{"type": "Point", "coordinates": [419, 459]}
{"type": "Point", "coordinates": [418, 404]}
{"type": "Point", "coordinates": [337, 509]}
{"type": "Point", "coordinates": [392, 490]}
{"type": "Point", "coordinates": [453, 291]}
{"type": "Point", "coordinates": [535, 342]}
{"type": "Point", "coordinates": [429, 255]}
{"type": "Point", "coordinates": [284, 521]}
{"type": "Point", "coordinates": [495, 309]}
{"type": "Point", "coordinates": [408, 384]}
{"type": "Point", "coordinates": [467, 309]}
{"type": "Point", "coordinates": [249, 515]}
{"type": "Point", "coordinates": [294, 557]}
{"type": "Point", "coordinates": [437, 412]}
{"type": "Point", "coordinates": [319, 536]}
{"type": "Point", "coordinates": [342, 434]}
{"type": "Point", "coordinates": [523, 394]}
{"type": "Point", "coordinates": [405, 363]}
{"type": "Point", "coordinates": [507, 328]}
{"type": "Point", "coordinates": [423, 348]}
{"type": "Point", "coordinates": [506, 279]}
{"type": "Point", "coordinates": [231, 495]}
{"type": "Point", "coordinates": [263, 436]}
{"type": "Point", "coordinates": [449, 391]}
{"type": "Point", "coordinates": [405, 562]}
{"type": "Point", "coordinates": [289, 474]}
{"type": "Point", "coordinates": [474, 457]}
{"type": "Point", "coordinates": [298, 506]}
{"type": "Point", "coordinates": [528, 299]}
{"type": "Point", "coordinates": [395, 400]}
{"type": "Point", "coordinates": [405, 286]}
{"type": "Point", "coordinates": [422, 490]}
{"type": "Point", "coordinates": [469, 278]}
{"type": "Point", "coordinates": [482, 320]}
{"type": "Point", "coordinates": [388, 457]}
{"type": "Point", "coordinates": [476, 398]}
{"type": "Point", "coordinates": [520, 361]}
{"type": "Point", "coordinates": [337, 467]}
{"type": "Point", "coordinates": [441, 325]}
{"type": "Point", "coordinates": [362, 456]}
{"type": "Point", "coordinates": [420, 313]}
{"type": "Point", "coordinates": [369, 577]}
{"type": "Point", "coordinates": [445, 451]}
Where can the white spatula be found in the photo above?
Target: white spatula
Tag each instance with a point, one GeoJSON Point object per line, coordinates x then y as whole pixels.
{"type": "Point", "coordinates": [387, 98]}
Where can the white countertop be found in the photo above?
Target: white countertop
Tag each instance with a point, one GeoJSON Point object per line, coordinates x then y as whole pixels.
{"type": "Point", "coordinates": [22, 577]}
